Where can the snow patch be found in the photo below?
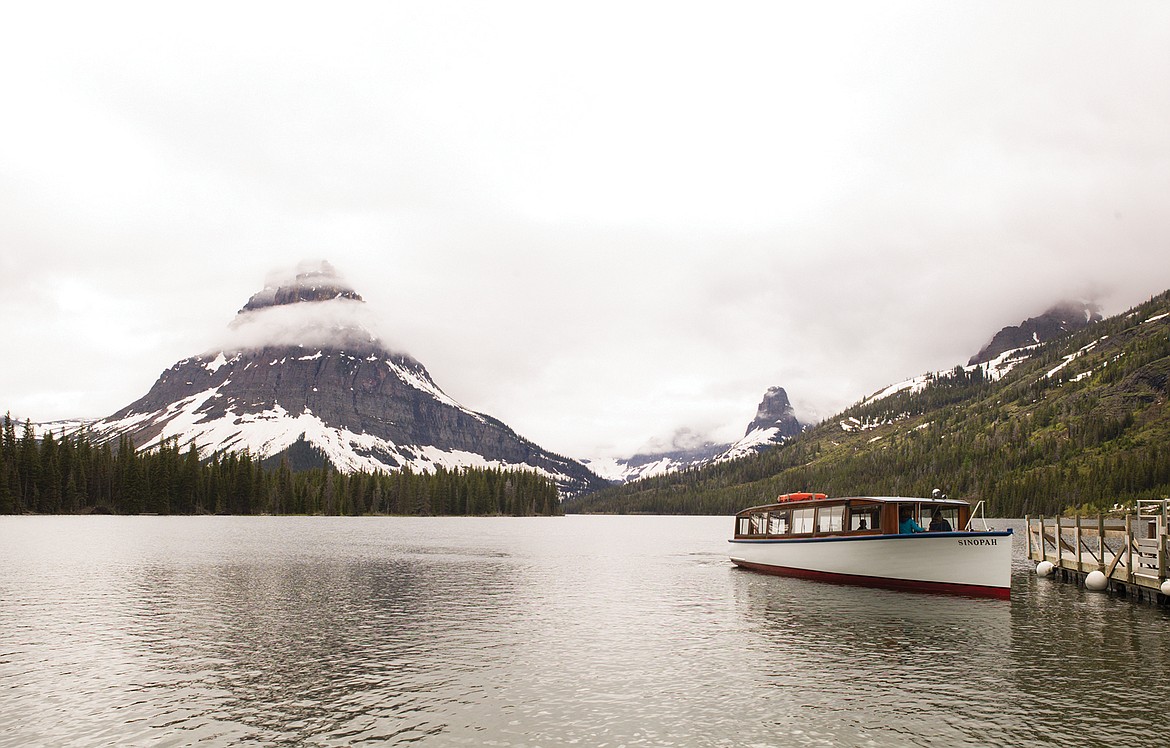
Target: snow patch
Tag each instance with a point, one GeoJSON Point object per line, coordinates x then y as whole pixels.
{"type": "Point", "coordinates": [917, 384]}
{"type": "Point", "coordinates": [1072, 357]}
{"type": "Point", "coordinates": [853, 424]}
{"type": "Point", "coordinates": [413, 379]}
{"type": "Point", "coordinates": [993, 370]}
{"type": "Point", "coordinates": [621, 471]}
{"type": "Point", "coordinates": [998, 367]}
{"type": "Point", "coordinates": [608, 468]}
{"type": "Point", "coordinates": [752, 442]}
{"type": "Point", "coordinates": [271, 431]}
{"type": "Point", "coordinates": [215, 364]}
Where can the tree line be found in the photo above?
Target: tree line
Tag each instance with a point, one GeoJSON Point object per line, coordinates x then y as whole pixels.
{"type": "Point", "coordinates": [1017, 465]}
{"type": "Point", "coordinates": [73, 474]}
{"type": "Point", "coordinates": [1042, 440]}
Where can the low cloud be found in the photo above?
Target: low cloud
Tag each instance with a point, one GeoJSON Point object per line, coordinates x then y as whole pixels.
{"type": "Point", "coordinates": [682, 439]}
{"type": "Point", "coordinates": [307, 305]}
{"type": "Point", "coordinates": [336, 323]}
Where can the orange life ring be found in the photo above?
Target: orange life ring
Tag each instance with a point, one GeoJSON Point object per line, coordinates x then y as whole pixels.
{"type": "Point", "coordinates": [800, 496]}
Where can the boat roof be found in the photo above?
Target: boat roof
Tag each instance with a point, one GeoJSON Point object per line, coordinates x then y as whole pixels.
{"type": "Point", "coordinates": [867, 499]}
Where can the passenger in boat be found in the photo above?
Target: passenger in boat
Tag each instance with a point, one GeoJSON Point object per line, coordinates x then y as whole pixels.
{"type": "Point", "coordinates": [937, 523]}
{"type": "Point", "coordinates": [906, 522]}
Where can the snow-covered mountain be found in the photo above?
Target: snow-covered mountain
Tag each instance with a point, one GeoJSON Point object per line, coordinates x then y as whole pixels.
{"type": "Point", "coordinates": [1062, 319]}
{"type": "Point", "coordinates": [304, 374]}
{"type": "Point", "coordinates": [657, 458]}
{"type": "Point", "coordinates": [1009, 347]}
{"type": "Point", "coordinates": [774, 423]}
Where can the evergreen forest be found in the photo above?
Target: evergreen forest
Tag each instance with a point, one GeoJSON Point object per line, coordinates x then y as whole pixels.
{"type": "Point", "coordinates": [70, 474]}
{"type": "Point", "coordinates": [1079, 425]}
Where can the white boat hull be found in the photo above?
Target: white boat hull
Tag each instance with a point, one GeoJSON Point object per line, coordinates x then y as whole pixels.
{"type": "Point", "coordinates": [965, 563]}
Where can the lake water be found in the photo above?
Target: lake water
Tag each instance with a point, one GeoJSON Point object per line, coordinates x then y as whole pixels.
{"type": "Point", "coordinates": [586, 631]}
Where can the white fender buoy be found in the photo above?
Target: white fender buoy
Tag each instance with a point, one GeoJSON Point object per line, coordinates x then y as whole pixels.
{"type": "Point", "coordinates": [1044, 568]}
{"type": "Point", "coordinates": [1166, 588]}
{"type": "Point", "coordinates": [1096, 581]}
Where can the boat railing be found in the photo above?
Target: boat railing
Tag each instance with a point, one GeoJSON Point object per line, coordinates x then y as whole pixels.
{"type": "Point", "coordinates": [978, 510]}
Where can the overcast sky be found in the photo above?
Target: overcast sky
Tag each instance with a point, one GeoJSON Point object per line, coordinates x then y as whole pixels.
{"type": "Point", "coordinates": [598, 222]}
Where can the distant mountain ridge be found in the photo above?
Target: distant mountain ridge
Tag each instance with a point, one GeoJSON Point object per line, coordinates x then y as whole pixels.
{"type": "Point", "coordinates": [307, 376]}
{"type": "Point", "coordinates": [1078, 421]}
{"type": "Point", "coordinates": [774, 423]}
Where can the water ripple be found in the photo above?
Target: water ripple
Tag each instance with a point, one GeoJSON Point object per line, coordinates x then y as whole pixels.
{"type": "Point", "coordinates": [586, 631]}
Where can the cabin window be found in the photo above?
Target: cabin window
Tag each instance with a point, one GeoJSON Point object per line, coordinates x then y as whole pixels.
{"type": "Point", "coordinates": [950, 517]}
{"type": "Point", "coordinates": [912, 511]}
{"type": "Point", "coordinates": [830, 518]}
{"type": "Point", "coordinates": [778, 523]}
{"type": "Point", "coordinates": [862, 518]}
{"type": "Point", "coordinates": [759, 523]}
{"type": "Point", "coordinates": [745, 526]}
{"type": "Point", "coordinates": [802, 521]}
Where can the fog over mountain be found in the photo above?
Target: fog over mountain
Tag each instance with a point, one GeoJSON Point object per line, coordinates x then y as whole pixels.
{"type": "Point", "coordinates": [1063, 318]}
{"type": "Point", "coordinates": [305, 305]}
{"type": "Point", "coordinates": [601, 223]}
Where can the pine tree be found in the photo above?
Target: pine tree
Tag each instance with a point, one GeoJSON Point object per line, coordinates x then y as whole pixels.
{"type": "Point", "coordinates": [28, 467]}
{"type": "Point", "coordinates": [8, 486]}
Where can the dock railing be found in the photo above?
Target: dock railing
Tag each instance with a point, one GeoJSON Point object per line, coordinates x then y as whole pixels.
{"type": "Point", "coordinates": [1131, 551]}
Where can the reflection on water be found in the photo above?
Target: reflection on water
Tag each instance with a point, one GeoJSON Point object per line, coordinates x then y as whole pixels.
{"type": "Point", "coordinates": [525, 632]}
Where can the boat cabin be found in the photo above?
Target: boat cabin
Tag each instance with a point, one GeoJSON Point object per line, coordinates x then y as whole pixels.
{"type": "Point", "coordinates": [816, 515]}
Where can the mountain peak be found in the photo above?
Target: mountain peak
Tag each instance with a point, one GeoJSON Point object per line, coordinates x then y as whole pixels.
{"type": "Point", "coordinates": [775, 411]}
{"type": "Point", "coordinates": [310, 280]}
{"type": "Point", "coordinates": [1063, 318]}
{"type": "Point", "coordinates": [307, 306]}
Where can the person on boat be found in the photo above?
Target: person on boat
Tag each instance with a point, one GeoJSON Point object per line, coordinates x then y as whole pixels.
{"type": "Point", "coordinates": [906, 522]}
{"type": "Point", "coordinates": [938, 523]}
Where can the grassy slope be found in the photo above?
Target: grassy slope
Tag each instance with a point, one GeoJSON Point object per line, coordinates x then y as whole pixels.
{"type": "Point", "coordinates": [1095, 433]}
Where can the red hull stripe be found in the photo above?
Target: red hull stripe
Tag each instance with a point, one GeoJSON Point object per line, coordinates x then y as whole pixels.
{"type": "Point", "coordinates": [912, 585]}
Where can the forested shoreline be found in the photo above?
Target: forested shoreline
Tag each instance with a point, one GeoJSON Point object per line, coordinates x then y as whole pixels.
{"type": "Point", "coordinates": [72, 474]}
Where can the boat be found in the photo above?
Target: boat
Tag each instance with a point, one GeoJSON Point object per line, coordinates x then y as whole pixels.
{"type": "Point", "coordinates": [864, 540]}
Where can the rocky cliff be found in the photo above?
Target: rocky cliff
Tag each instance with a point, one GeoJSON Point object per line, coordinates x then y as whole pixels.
{"type": "Point", "coordinates": [775, 422]}
{"type": "Point", "coordinates": [1064, 318]}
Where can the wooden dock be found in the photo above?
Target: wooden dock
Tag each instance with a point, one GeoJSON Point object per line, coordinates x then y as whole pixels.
{"type": "Point", "coordinates": [1132, 552]}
